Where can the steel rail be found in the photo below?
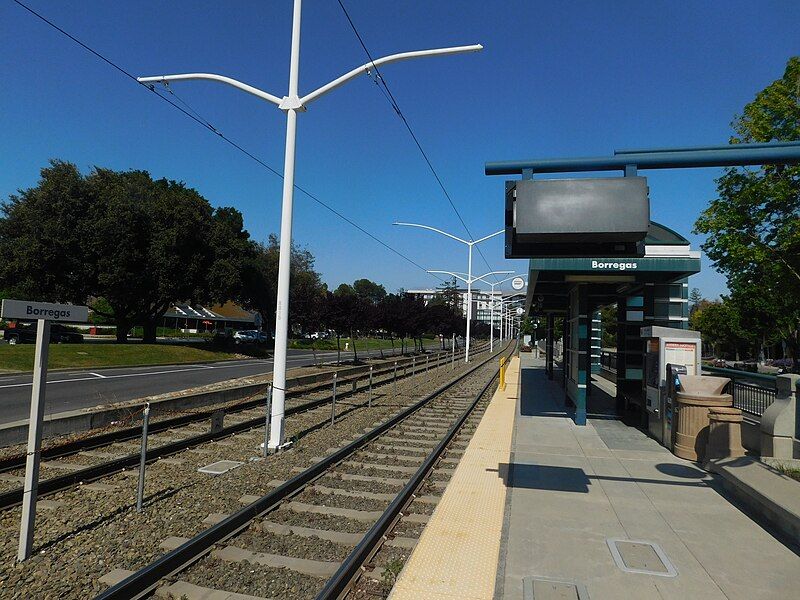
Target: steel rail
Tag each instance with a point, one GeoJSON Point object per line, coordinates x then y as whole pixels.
{"type": "Point", "coordinates": [14, 497]}
{"type": "Point", "coordinates": [146, 579]}
{"type": "Point", "coordinates": [347, 574]}
{"type": "Point", "coordinates": [129, 433]}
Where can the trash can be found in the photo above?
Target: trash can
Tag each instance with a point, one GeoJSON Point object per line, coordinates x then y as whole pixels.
{"type": "Point", "coordinates": [697, 395]}
{"type": "Point", "coordinates": [724, 433]}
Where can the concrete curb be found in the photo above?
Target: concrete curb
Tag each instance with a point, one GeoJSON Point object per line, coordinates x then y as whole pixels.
{"type": "Point", "coordinates": [765, 492]}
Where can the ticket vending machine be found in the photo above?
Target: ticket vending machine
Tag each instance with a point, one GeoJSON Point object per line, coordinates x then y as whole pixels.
{"type": "Point", "coordinates": [681, 350]}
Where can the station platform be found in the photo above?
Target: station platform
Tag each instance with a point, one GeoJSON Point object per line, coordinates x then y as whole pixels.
{"type": "Point", "coordinates": [540, 508]}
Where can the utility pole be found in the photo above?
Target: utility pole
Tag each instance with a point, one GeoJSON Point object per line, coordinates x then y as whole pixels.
{"type": "Point", "coordinates": [491, 309]}
{"type": "Point", "coordinates": [292, 104]}
{"type": "Point", "coordinates": [470, 279]}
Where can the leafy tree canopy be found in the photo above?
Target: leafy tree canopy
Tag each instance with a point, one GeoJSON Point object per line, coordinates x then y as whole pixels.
{"type": "Point", "coordinates": [753, 227]}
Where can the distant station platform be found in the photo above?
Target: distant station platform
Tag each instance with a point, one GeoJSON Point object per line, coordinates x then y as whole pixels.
{"type": "Point", "coordinates": [540, 508]}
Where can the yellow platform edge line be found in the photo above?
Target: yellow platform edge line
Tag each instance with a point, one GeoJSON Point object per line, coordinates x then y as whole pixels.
{"type": "Point", "coordinates": [457, 554]}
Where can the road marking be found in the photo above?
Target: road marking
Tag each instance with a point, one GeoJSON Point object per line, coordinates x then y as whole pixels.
{"type": "Point", "coordinates": [188, 368]}
{"type": "Point", "coordinates": [292, 357]}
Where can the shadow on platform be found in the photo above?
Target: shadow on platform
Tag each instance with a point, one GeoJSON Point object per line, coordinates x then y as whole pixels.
{"type": "Point", "coordinates": [574, 479]}
{"type": "Point", "coordinates": [542, 397]}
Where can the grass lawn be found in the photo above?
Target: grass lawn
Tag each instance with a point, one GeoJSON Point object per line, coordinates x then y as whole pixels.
{"type": "Point", "coordinates": [20, 356]}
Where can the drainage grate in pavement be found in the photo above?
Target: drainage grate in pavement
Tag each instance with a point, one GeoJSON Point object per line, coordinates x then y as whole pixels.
{"type": "Point", "coordinates": [547, 588]}
{"type": "Point", "coordinates": [637, 556]}
{"type": "Point", "coordinates": [220, 467]}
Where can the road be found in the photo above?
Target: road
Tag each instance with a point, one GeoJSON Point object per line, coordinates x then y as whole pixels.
{"type": "Point", "coordinates": [73, 390]}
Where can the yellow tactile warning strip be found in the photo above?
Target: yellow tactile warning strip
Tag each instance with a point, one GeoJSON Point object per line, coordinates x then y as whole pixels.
{"type": "Point", "coordinates": [456, 557]}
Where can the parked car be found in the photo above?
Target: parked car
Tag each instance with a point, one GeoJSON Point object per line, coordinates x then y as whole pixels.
{"type": "Point", "coordinates": [249, 336]}
{"type": "Point", "coordinates": [783, 365]}
{"type": "Point", "coordinates": [25, 333]}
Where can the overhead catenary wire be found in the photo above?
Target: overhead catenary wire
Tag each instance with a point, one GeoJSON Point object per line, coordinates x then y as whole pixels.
{"type": "Point", "coordinates": [197, 118]}
{"type": "Point", "coordinates": [387, 93]}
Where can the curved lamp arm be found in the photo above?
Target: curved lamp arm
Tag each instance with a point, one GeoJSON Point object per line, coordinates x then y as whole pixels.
{"type": "Point", "coordinates": [366, 67]}
{"type": "Point", "coordinates": [491, 235]}
{"type": "Point", "coordinates": [482, 277]}
{"type": "Point", "coordinates": [213, 77]}
{"type": "Point", "coordinates": [299, 103]}
{"type": "Point", "coordinates": [450, 235]}
{"type": "Point", "coordinates": [451, 273]}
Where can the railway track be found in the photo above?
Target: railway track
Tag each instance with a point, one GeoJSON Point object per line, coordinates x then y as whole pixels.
{"type": "Point", "coordinates": [316, 532]}
{"type": "Point", "coordinates": [95, 457]}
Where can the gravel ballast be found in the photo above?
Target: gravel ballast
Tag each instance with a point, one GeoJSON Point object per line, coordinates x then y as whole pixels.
{"type": "Point", "coordinates": [97, 530]}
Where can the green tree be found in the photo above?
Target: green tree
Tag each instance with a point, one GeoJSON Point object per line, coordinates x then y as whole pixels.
{"type": "Point", "coordinates": [369, 290]}
{"type": "Point", "coordinates": [306, 290]}
{"type": "Point", "coordinates": [609, 325]}
{"type": "Point", "coordinates": [695, 298]}
{"type": "Point", "coordinates": [721, 326]}
{"type": "Point", "coordinates": [753, 227]}
{"type": "Point", "coordinates": [151, 245]}
{"type": "Point", "coordinates": [132, 245]}
{"type": "Point", "coordinates": [43, 233]}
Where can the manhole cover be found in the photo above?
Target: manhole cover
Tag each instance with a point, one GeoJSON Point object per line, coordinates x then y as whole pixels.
{"type": "Point", "coordinates": [637, 556]}
{"type": "Point", "coordinates": [220, 467]}
{"type": "Point", "coordinates": [547, 588]}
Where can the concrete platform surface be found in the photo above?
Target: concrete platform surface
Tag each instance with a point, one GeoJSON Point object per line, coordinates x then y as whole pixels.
{"type": "Point", "coordinates": [574, 491]}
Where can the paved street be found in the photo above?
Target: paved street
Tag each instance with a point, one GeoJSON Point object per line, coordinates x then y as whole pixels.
{"type": "Point", "coordinates": [71, 390]}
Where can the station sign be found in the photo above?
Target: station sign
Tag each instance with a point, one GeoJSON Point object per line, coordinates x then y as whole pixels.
{"type": "Point", "coordinates": [518, 283]}
{"type": "Point", "coordinates": [23, 309]}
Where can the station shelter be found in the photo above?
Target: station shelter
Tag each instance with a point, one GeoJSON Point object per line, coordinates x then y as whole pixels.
{"type": "Point", "coordinates": [651, 290]}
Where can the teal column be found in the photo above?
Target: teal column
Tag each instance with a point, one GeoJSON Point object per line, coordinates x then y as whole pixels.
{"type": "Point", "coordinates": [667, 304]}
{"type": "Point", "coordinates": [579, 325]}
{"type": "Point", "coordinates": [630, 350]}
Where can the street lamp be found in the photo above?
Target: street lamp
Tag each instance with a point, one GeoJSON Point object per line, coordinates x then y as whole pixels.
{"type": "Point", "coordinates": [491, 306]}
{"type": "Point", "coordinates": [505, 319]}
{"type": "Point", "coordinates": [470, 244]}
{"type": "Point", "coordinates": [469, 280]}
{"type": "Point", "coordinates": [292, 104]}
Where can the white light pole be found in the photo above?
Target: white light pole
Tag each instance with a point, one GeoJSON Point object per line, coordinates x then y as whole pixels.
{"type": "Point", "coordinates": [505, 318]}
{"type": "Point", "coordinates": [470, 244]}
{"type": "Point", "coordinates": [469, 280]}
{"type": "Point", "coordinates": [491, 306]}
{"type": "Point", "coordinates": [292, 104]}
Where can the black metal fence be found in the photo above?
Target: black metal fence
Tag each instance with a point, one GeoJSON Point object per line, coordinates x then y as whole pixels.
{"type": "Point", "coordinates": [608, 360]}
{"type": "Point", "coordinates": [752, 392]}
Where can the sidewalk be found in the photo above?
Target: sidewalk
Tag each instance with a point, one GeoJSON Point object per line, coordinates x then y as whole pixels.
{"type": "Point", "coordinates": [572, 489]}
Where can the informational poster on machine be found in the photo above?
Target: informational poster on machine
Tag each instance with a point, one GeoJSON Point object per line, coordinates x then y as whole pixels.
{"type": "Point", "coordinates": [681, 353]}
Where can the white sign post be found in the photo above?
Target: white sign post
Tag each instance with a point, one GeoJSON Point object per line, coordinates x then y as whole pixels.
{"type": "Point", "coordinates": [44, 313]}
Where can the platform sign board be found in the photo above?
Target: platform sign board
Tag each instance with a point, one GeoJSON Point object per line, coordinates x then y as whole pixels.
{"type": "Point", "coordinates": [518, 283]}
{"type": "Point", "coordinates": [43, 313]}
{"type": "Point", "coordinates": [576, 217]}
{"type": "Point", "coordinates": [22, 309]}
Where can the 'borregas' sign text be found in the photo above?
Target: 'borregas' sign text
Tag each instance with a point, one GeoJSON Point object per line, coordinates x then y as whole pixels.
{"type": "Point", "coordinates": [615, 266]}
{"type": "Point", "coordinates": [22, 309]}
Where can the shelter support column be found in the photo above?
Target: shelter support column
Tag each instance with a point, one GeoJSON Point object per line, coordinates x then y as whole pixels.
{"type": "Point", "coordinates": [549, 341]}
{"type": "Point", "coordinates": [630, 351]}
{"type": "Point", "coordinates": [578, 366]}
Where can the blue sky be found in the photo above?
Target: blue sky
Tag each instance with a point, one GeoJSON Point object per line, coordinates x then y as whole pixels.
{"type": "Point", "coordinates": [555, 79]}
